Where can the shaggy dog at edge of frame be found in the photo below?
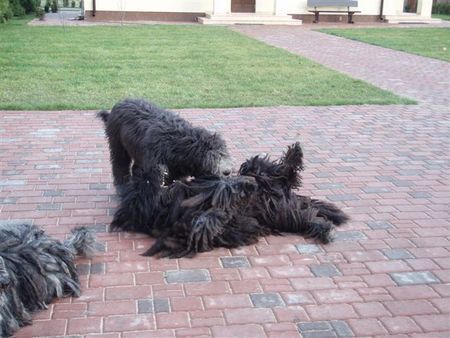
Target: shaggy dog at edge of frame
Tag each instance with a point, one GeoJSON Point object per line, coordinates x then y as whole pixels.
{"type": "Point", "coordinates": [153, 140]}
{"type": "Point", "coordinates": [212, 211]}
{"type": "Point", "coordinates": [36, 268]}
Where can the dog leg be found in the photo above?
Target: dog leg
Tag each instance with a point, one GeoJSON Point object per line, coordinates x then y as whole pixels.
{"type": "Point", "coordinates": [297, 215]}
{"type": "Point", "coordinates": [121, 162]}
{"type": "Point", "coordinates": [329, 211]}
{"type": "Point", "coordinates": [190, 236]}
{"type": "Point", "coordinates": [292, 162]}
{"type": "Point", "coordinates": [5, 280]}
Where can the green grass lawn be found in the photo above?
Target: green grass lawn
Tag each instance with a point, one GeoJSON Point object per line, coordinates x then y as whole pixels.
{"type": "Point", "coordinates": [177, 66]}
{"type": "Point", "coordinates": [431, 42]}
{"type": "Point", "coordinates": [441, 16]}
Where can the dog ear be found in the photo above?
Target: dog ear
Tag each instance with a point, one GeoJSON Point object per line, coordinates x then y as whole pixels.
{"type": "Point", "coordinates": [210, 162]}
{"type": "Point", "coordinates": [223, 197]}
{"type": "Point", "coordinates": [139, 201]}
{"type": "Point", "coordinates": [218, 164]}
{"type": "Point", "coordinates": [205, 229]}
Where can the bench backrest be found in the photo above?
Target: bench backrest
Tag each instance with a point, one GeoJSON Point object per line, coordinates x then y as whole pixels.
{"type": "Point", "coordinates": [332, 3]}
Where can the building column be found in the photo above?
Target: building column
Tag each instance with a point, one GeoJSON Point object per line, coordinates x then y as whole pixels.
{"type": "Point", "coordinates": [221, 7]}
{"type": "Point", "coordinates": [280, 7]}
{"type": "Point", "coordinates": [424, 8]}
{"type": "Point", "coordinates": [393, 7]}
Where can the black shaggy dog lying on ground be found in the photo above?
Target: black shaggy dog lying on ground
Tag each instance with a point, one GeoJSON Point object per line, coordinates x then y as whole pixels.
{"type": "Point", "coordinates": [34, 269]}
{"type": "Point", "coordinates": [207, 212]}
{"type": "Point", "coordinates": [156, 140]}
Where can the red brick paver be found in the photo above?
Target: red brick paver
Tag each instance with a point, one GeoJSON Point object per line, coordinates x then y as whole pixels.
{"type": "Point", "coordinates": [386, 274]}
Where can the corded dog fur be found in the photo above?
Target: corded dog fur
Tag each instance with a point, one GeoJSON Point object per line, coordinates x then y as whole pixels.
{"type": "Point", "coordinates": [207, 212]}
{"type": "Point", "coordinates": [155, 139]}
{"type": "Point", "coordinates": [151, 140]}
{"type": "Point", "coordinates": [34, 269]}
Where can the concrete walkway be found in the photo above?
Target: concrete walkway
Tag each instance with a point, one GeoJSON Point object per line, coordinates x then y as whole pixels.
{"type": "Point", "coordinates": [387, 273]}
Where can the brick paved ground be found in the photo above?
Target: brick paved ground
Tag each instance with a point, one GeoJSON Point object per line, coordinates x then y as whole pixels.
{"type": "Point", "coordinates": [387, 273]}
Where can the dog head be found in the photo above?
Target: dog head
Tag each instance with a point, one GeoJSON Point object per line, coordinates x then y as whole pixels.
{"type": "Point", "coordinates": [220, 193]}
{"type": "Point", "coordinates": [234, 192]}
{"type": "Point", "coordinates": [216, 160]}
{"type": "Point", "coordinates": [273, 175]}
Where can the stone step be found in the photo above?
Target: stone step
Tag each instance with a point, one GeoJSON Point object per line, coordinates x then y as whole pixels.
{"type": "Point", "coordinates": [409, 18]}
{"type": "Point", "coordinates": [248, 19]}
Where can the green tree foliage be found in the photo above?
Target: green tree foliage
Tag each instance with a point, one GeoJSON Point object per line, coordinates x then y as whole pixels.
{"type": "Point", "coordinates": [22, 7]}
{"type": "Point", "coordinates": [29, 5]}
{"type": "Point", "coordinates": [16, 8]}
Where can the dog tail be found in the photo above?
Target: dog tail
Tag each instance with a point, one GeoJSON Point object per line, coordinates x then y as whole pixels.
{"type": "Point", "coordinates": [103, 114]}
{"type": "Point", "coordinates": [82, 242]}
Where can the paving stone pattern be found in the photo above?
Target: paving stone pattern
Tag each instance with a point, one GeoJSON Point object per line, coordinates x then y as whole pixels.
{"type": "Point", "coordinates": [387, 166]}
{"type": "Point", "coordinates": [325, 329]}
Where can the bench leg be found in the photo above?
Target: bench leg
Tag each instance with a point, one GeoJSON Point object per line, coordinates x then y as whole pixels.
{"type": "Point", "coordinates": [350, 17]}
{"type": "Point", "coordinates": [316, 17]}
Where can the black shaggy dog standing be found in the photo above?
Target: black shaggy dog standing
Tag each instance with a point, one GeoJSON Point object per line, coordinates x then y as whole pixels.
{"type": "Point", "coordinates": [207, 212]}
{"type": "Point", "coordinates": [34, 269]}
{"type": "Point", "coordinates": [154, 139]}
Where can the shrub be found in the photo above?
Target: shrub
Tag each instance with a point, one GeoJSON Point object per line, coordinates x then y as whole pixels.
{"type": "Point", "coordinates": [442, 8]}
{"type": "Point", "coordinates": [65, 3]}
{"type": "Point", "coordinates": [72, 4]}
{"type": "Point", "coordinates": [8, 14]}
{"type": "Point", "coordinates": [5, 11]}
{"type": "Point", "coordinates": [54, 6]}
{"type": "Point", "coordinates": [40, 13]}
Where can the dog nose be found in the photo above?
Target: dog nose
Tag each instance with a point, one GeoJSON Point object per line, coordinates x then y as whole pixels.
{"type": "Point", "coordinates": [226, 172]}
{"type": "Point", "coordinates": [4, 283]}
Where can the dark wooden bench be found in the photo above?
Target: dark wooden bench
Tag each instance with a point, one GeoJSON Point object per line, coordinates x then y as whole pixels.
{"type": "Point", "coordinates": [333, 3]}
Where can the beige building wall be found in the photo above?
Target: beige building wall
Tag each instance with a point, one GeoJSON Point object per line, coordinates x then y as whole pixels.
{"type": "Point", "coordinates": [367, 7]}
{"type": "Point", "coordinates": [181, 6]}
